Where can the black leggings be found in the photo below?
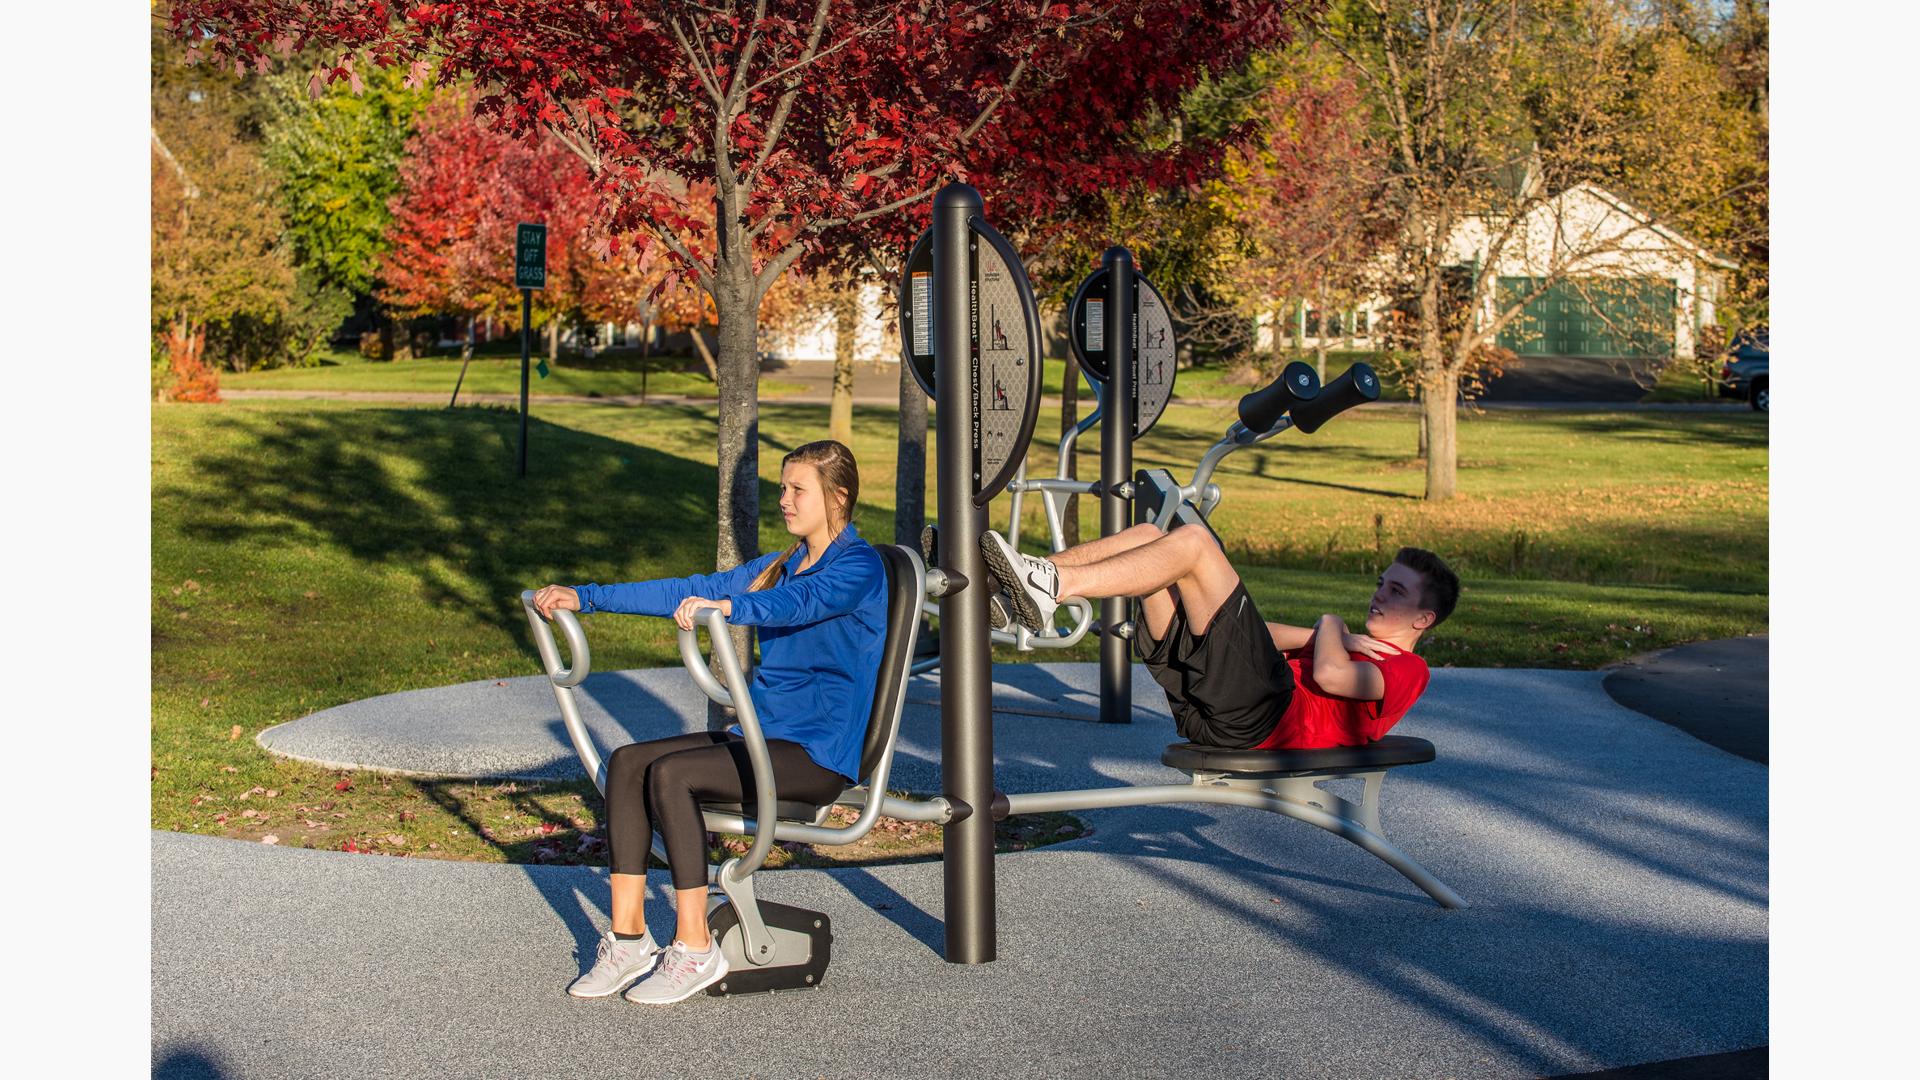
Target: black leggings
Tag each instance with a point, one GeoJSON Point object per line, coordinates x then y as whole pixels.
{"type": "Point", "coordinates": [665, 781]}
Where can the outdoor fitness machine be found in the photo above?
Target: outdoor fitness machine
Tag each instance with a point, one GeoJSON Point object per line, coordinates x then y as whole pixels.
{"type": "Point", "coordinates": [971, 335]}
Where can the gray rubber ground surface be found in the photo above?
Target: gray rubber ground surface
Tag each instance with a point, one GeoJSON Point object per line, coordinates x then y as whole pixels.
{"type": "Point", "coordinates": [1617, 870]}
{"type": "Point", "coordinates": [1715, 691]}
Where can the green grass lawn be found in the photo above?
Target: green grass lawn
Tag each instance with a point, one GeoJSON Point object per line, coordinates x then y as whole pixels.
{"type": "Point", "coordinates": [307, 554]}
{"type": "Point", "coordinates": [607, 375]}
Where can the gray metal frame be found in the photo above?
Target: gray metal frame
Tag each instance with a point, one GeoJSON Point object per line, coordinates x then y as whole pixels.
{"type": "Point", "coordinates": [1295, 795]}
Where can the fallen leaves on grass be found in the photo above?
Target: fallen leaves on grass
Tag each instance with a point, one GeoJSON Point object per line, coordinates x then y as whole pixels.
{"type": "Point", "coordinates": [344, 785]}
{"type": "Point", "coordinates": [269, 839]}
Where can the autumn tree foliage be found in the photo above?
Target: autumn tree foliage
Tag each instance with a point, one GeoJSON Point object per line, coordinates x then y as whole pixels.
{"type": "Point", "coordinates": [217, 256]}
{"type": "Point", "coordinates": [464, 186]}
{"type": "Point", "coordinates": [1304, 198]}
{"type": "Point", "coordinates": [821, 127]}
{"type": "Point", "coordinates": [1491, 109]}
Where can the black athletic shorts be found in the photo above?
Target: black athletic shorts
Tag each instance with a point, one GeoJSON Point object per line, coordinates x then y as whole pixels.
{"type": "Point", "coordinates": [1227, 684]}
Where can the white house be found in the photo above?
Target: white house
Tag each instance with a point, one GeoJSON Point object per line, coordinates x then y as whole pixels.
{"type": "Point", "coordinates": [1627, 285]}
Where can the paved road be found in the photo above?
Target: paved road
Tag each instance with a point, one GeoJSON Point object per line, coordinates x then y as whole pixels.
{"type": "Point", "coordinates": [1617, 869]}
{"type": "Point", "coordinates": [1715, 691]}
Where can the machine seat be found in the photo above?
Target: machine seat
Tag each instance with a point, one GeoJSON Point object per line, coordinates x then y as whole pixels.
{"type": "Point", "coordinates": [1387, 752]}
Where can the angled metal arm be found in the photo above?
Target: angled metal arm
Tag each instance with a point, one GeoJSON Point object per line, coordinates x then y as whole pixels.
{"type": "Point", "coordinates": [564, 679]}
{"type": "Point", "coordinates": [742, 705]}
{"type": "Point", "coordinates": [697, 666]}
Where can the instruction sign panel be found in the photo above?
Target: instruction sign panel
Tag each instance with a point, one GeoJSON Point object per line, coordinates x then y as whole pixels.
{"type": "Point", "coordinates": [1003, 325]}
{"type": "Point", "coordinates": [530, 256]}
{"type": "Point", "coordinates": [1154, 343]}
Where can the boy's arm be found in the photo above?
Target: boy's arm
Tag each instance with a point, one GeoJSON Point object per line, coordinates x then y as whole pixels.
{"type": "Point", "coordinates": [1289, 637]}
{"type": "Point", "coordinates": [1336, 672]}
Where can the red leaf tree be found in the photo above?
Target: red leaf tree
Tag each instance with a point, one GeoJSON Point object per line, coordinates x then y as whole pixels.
{"type": "Point", "coordinates": [821, 127]}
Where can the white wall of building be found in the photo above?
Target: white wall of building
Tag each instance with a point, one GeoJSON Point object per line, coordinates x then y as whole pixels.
{"type": "Point", "coordinates": [876, 336]}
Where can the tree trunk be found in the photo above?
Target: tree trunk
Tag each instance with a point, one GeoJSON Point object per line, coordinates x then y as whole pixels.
{"type": "Point", "coordinates": [846, 323]}
{"type": "Point", "coordinates": [1320, 341]}
{"type": "Point", "coordinates": [553, 340]}
{"type": "Point", "coordinates": [466, 357]}
{"type": "Point", "coordinates": [738, 377]}
{"type": "Point", "coordinates": [1420, 399]}
{"type": "Point", "coordinates": [1439, 419]}
{"type": "Point", "coordinates": [910, 463]}
{"type": "Point", "coordinates": [1279, 341]}
{"type": "Point", "coordinates": [1069, 419]}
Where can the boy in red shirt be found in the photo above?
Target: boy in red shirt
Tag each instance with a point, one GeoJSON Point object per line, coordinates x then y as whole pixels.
{"type": "Point", "coordinates": [1238, 681]}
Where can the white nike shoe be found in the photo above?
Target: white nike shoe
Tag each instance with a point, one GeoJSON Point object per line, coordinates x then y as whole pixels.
{"type": "Point", "coordinates": [1032, 585]}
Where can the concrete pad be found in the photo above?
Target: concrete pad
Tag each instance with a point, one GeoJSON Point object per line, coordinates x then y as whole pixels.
{"type": "Point", "coordinates": [1617, 870]}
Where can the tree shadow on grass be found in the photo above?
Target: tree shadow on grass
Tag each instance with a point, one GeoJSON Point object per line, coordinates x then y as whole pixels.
{"type": "Point", "coordinates": [432, 494]}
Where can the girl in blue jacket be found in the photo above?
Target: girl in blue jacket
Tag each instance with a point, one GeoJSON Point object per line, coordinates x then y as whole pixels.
{"type": "Point", "coordinates": [821, 609]}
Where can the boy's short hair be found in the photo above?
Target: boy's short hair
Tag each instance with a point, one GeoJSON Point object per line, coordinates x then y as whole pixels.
{"type": "Point", "coordinates": [1440, 588]}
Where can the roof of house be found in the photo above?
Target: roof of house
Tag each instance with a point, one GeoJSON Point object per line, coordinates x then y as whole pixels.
{"type": "Point", "coordinates": [1652, 223]}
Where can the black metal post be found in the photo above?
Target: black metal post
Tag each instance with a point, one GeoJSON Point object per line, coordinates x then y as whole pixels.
{"type": "Point", "coordinates": [526, 352]}
{"type": "Point", "coordinates": [1116, 468]}
{"type": "Point", "coordinates": [966, 664]}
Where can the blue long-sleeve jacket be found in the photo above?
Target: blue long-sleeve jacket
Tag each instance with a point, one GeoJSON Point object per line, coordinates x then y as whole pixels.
{"type": "Point", "coordinates": [822, 633]}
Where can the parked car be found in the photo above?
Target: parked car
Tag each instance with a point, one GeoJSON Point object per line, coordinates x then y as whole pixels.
{"type": "Point", "coordinates": [1744, 375]}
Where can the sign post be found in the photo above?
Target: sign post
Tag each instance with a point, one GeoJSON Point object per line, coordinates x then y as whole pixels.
{"type": "Point", "coordinates": [529, 273]}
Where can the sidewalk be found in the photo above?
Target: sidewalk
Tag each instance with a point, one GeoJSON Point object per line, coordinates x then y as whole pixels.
{"type": "Point", "coordinates": [1617, 869]}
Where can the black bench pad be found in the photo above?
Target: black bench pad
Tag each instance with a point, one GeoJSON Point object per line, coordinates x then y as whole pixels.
{"type": "Point", "coordinates": [1387, 752]}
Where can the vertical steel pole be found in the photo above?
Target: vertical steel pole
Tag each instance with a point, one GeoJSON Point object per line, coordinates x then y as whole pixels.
{"type": "Point", "coordinates": [966, 664]}
{"type": "Point", "coordinates": [1116, 468]}
{"type": "Point", "coordinates": [526, 347]}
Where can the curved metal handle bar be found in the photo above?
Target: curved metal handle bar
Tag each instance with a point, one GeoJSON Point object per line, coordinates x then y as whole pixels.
{"type": "Point", "coordinates": [743, 867]}
{"type": "Point", "coordinates": [697, 666]}
{"type": "Point", "coordinates": [1071, 437]}
{"type": "Point", "coordinates": [564, 680]}
{"type": "Point", "coordinates": [549, 655]}
{"type": "Point", "coordinates": [1238, 437]}
{"type": "Point", "coordinates": [1020, 637]}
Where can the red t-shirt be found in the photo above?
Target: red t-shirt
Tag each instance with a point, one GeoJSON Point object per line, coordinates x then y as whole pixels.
{"type": "Point", "coordinates": [1315, 719]}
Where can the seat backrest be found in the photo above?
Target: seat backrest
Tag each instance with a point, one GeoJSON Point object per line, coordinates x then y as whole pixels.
{"type": "Point", "coordinates": [905, 586]}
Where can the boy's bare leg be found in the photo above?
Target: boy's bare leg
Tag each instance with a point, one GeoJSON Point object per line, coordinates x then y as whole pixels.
{"type": "Point", "coordinates": [1157, 607]}
{"type": "Point", "coordinates": [1186, 558]}
{"type": "Point", "coordinates": [1106, 547]}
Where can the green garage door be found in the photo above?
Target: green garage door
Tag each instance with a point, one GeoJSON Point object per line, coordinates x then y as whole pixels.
{"type": "Point", "coordinates": [1591, 317]}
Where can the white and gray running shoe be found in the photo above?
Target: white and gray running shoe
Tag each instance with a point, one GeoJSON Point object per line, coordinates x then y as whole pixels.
{"type": "Point", "coordinates": [616, 964]}
{"type": "Point", "coordinates": [997, 615]}
{"type": "Point", "coordinates": [681, 974]}
{"type": "Point", "coordinates": [1032, 584]}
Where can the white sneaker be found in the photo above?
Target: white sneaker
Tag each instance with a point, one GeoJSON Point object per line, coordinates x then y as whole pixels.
{"type": "Point", "coordinates": [680, 975]}
{"type": "Point", "coordinates": [1032, 584]}
{"type": "Point", "coordinates": [616, 964]}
